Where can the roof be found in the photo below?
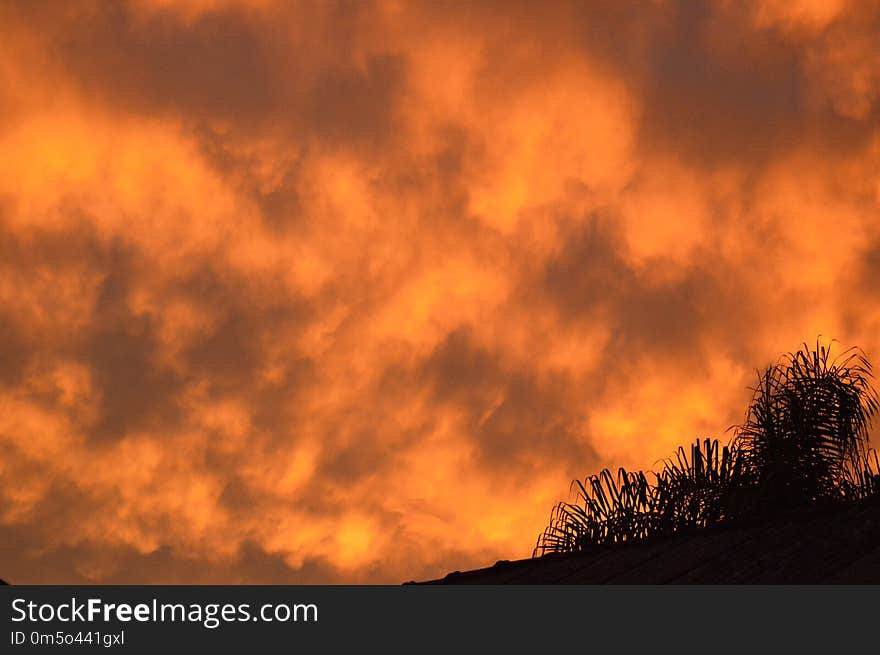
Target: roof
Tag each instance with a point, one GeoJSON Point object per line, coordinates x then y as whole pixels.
{"type": "Point", "coordinates": [832, 544]}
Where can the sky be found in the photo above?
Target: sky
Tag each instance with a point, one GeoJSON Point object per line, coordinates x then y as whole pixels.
{"type": "Point", "coordinates": [349, 292]}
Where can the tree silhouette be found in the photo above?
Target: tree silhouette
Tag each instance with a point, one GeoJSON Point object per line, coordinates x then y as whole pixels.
{"type": "Point", "coordinates": [804, 441]}
{"type": "Point", "coordinates": [806, 432]}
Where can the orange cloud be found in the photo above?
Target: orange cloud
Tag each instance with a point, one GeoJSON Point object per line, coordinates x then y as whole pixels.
{"type": "Point", "coordinates": [325, 294]}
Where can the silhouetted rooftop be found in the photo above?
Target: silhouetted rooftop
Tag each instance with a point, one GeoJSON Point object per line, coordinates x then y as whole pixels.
{"type": "Point", "coordinates": [833, 544]}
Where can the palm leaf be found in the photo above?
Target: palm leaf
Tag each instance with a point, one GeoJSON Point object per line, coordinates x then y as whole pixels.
{"type": "Point", "coordinates": [804, 440]}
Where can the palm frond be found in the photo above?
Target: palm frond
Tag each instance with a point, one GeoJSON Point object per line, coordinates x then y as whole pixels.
{"type": "Point", "coordinates": [805, 434]}
{"type": "Point", "coordinates": [804, 440]}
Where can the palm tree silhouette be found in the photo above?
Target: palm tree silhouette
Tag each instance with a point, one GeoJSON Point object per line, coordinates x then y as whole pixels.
{"type": "Point", "coordinates": [804, 441]}
{"type": "Point", "coordinates": [806, 432]}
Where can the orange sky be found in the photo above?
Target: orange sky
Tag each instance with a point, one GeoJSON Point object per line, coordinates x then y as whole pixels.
{"type": "Point", "coordinates": [349, 292]}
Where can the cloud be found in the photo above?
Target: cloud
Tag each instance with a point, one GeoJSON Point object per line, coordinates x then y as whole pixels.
{"type": "Point", "coordinates": [350, 293]}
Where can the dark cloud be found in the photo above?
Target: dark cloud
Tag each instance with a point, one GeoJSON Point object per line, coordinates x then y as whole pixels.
{"type": "Point", "coordinates": [253, 73]}
{"type": "Point", "coordinates": [590, 280]}
{"type": "Point", "coordinates": [135, 393]}
{"type": "Point", "coordinates": [219, 65]}
{"type": "Point", "coordinates": [719, 91]}
{"type": "Point", "coordinates": [14, 350]}
{"type": "Point", "coordinates": [281, 205]}
{"type": "Point", "coordinates": [515, 418]}
{"type": "Point", "coordinates": [346, 105]}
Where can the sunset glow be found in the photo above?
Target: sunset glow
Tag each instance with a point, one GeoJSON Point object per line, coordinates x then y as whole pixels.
{"type": "Point", "coordinates": [350, 292]}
